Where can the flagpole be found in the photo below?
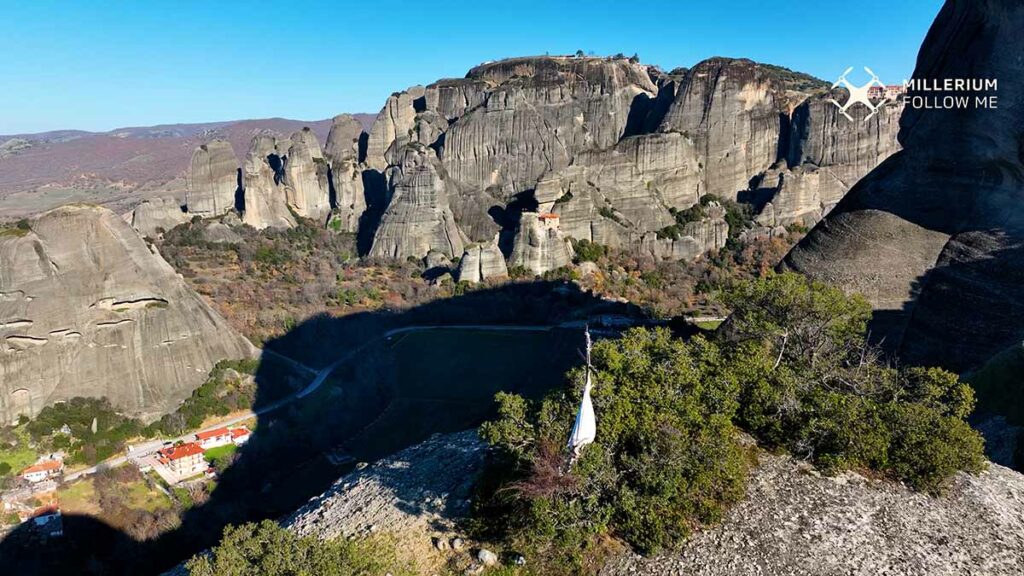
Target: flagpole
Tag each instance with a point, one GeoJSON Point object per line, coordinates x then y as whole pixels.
{"type": "Point", "coordinates": [584, 430]}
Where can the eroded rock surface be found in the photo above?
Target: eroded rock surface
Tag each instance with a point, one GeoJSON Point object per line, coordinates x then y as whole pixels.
{"type": "Point", "coordinates": [481, 261]}
{"type": "Point", "coordinates": [156, 214]}
{"type": "Point", "coordinates": [305, 177]}
{"type": "Point", "coordinates": [86, 309]}
{"type": "Point", "coordinates": [935, 235]}
{"type": "Point", "coordinates": [212, 179]}
{"type": "Point", "coordinates": [539, 244]}
{"type": "Point", "coordinates": [418, 217]}
{"type": "Point", "coordinates": [796, 521]}
{"type": "Point", "coordinates": [417, 491]}
{"type": "Point", "coordinates": [266, 204]}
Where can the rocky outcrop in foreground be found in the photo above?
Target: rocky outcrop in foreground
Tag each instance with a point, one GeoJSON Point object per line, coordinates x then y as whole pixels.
{"type": "Point", "coordinates": [934, 236]}
{"type": "Point", "coordinates": [792, 521]}
{"type": "Point", "coordinates": [417, 491]}
{"type": "Point", "coordinates": [86, 309]}
{"type": "Point", "coordinates": [795, 521]}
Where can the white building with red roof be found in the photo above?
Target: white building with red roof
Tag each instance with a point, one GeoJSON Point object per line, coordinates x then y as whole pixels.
{"type": "Point", "coordinates": [240, 436]}
{"type": "Point", "coordinates": [42, 470]}
{"type": "Point", "coordinates": [183, 460]}
{"type": "Point", "coordinates": [214, 438]}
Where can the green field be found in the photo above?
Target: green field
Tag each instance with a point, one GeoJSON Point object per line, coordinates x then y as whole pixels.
{"type": "Point", "coordinates": [79, 498]}
{"type": "Point", "coordinates": [214, 453]}
{"type": "Point", "coordinates": [20, 456]}
{"type": "Point", "coordinates": [141, 497]}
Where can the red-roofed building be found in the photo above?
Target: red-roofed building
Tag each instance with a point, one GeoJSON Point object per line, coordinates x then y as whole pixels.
{"type": "Point", "coordinates": [42, 470]}
{"type": "Point", "coordinates": [240, 436]}
{"type": "Point", "coordinates": [214, 438]}
{"type": "Point", "coordinates": [184, 460]}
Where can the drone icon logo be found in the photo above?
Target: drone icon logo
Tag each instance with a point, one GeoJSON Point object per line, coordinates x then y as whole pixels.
{"type": "Point", "coordinates": [858, 94]}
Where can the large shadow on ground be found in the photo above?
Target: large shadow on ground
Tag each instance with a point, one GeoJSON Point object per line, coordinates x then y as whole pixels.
{"type": "Point", "coordinates": [393, 387]}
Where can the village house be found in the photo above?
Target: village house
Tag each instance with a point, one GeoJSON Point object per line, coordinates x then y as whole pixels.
{"type": "Point", "coordinates": [240, 436]}
{"type": "Point", "coordinates": [183, 460]}
{"type": "Point", "coordinates": [42, 470]}
{"type": "Point", "coordinates": [214, 438]}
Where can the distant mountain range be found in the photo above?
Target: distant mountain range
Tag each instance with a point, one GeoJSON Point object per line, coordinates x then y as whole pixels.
{"type": "Point", "coordinates": [120, 167]}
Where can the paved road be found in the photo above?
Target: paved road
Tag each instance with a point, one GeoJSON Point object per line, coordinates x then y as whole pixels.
{"type": "Point", "coordinates": [140, 450]}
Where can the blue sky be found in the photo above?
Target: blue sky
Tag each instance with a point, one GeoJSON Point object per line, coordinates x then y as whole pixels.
{"type": "Point", "coordinates": [102, 65]}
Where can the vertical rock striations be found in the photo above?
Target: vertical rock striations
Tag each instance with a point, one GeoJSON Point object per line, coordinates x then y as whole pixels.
{"type": "Point", "coordinates": [86, 309]}
{"type": "Point", "coordinates": [828, 154]}
{"type": "Point", "coordinates": [266, 205]}
{"type": "Point", "coordinates": [305, 177]}
{"type": "Point", "coordinates": [342, 152]}
{"type": "Point", "coordinates": [480, 262]}
{"type": "Point", "coordinates": [418, 217]}
{"type": "Point", "coordinates": [212, 179]}
{"type": "Point", "coordinates": [539, 244]}
{"type": "Point", "coordinates": [156, 214]}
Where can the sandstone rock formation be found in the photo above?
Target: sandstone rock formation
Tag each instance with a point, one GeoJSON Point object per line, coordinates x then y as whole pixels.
{"type": "Point", "coordinates": [734, 111]}
{"type": "Point", "coordinates": [935, 235]}
{"type": "Point", "coordinates": [342, 152]}
{"type": "Point", "coordinates": [542, 112]}
{"type": "Point", "coordinates": [614, 147]}
{"type": "Point", "coordinates": [482, 261]}
{"type": "Point", "coordinates": [86, 309]}
{"type": "Point", "coordinates": [795, 521]}
{"type": "Point", "coordinates": [418, 217]}
{"type": "Point", "coordinates": [212, 179]}
{"type": "Point", "coordinates": [305, 177]}
{"type": "Point", "coordinates": [539, 244]}
{"type": "Point", "coordinates": [417, 491]}
{"type": "Point", "coordinates": [266, 205]}
{"type": "Point", "coordinates": [828, 154]}
{"type": "Point", "coordinates": [156, 214]}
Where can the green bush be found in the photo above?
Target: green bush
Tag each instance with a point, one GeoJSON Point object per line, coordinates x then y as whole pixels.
{"type": "Point", "coordinates": [218, 396]}
{"type": "Point", "coordinates": [587, 251]}
{"type": "Point", "coordinates": [266, 549]}
{"type": "Point", "coordinates": [665, 460]}
{"type": "Point", "coordinates": [88, 447]}
{"type": "Point", "coordinates": [812, 384]}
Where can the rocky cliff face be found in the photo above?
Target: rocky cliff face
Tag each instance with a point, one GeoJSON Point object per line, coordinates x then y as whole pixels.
{"type": "Point", "coordinates": [735, 111]}
{"type": "Point", "coordinates": [212, 179]}
{"type": "Point", "coordinates": [792, 521]}
{"type": "Point", "coordinates": [342, 152]}
{"type": "Point", "coordinates": [539, 244]}
{"type": "Point", "coordinates": [418, 217]}
{"type": "Point", "coordinates": [828, 154]}
{"type": "Point", "coordinates": [482, 261]}
{"type": "Point", "coordinates": [266, 204]}
{"type": "Point", "coordinates": [305, 176]}
{"type": "Point", "coordinates": [86, 309]}
{"type": "Point", "coordinates": [935, 235]}
{"type": "Point", "coordinates": [157, 214]}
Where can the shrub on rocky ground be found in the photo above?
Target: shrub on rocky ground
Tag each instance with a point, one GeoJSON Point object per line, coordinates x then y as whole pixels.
{"type": "Point", "coordinates": [792, 366]}
{"type": "Point", "coordinates": [266, 549]}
